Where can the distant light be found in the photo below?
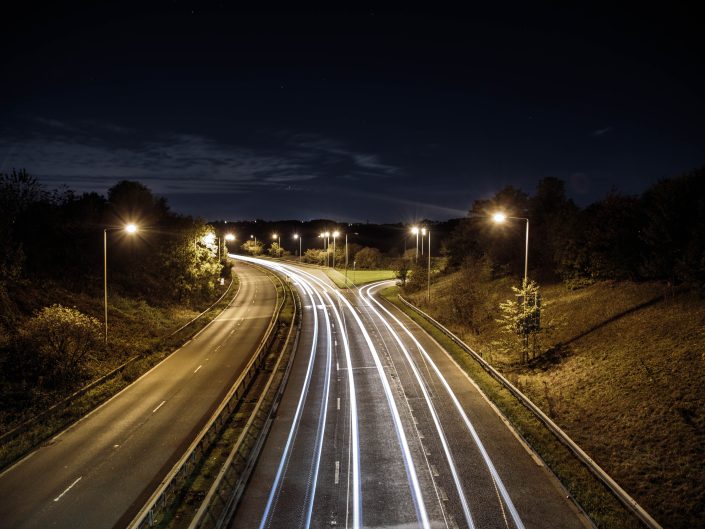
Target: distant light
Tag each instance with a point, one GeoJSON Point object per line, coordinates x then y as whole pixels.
{"type": "Point", "coordinates": [274, 236]}
{"type": "Point", "coordinates": [415, 230]}
{"type": "Point", "coordinates": [499, 218]}
{"type": "Point", "coordinates": [229, 237]}
{"type": "Point", "coordinates": [335, 234]}
{"type": "Point", "coordinates": [296, 235]}
{"type": "Point", "coordinates": [131, 228]}
{"type": "Point", "coordinates": [423, 231]}
{"type": "Point", "coordinates": [327, 234]}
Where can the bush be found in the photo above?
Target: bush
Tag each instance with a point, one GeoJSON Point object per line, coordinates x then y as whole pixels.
{"type": "Point", "coordinates": [368, 258]}
{"type": "Point", "coordinates": [58, 341]}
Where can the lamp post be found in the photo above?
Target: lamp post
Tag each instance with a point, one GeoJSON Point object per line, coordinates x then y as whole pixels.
{"type": "Point", "coordinates": [423, 234]}
{"type": "Point", "coordinates": [499, 218]}
{"type": "Point", "coordinates": [415, 231]}
{"type": "Point", "coordinates": [429, 267]}
{"type": "Point", "coordinates": [297, 236]}
{"type": "Point", "coordinates": [335, 236]}
{"type": "Point", "coordinates": [130, 229]}
{"type": "Point", "coordinates": [276, 237]}
{"type": "Point", "coordinates": [230, 237]}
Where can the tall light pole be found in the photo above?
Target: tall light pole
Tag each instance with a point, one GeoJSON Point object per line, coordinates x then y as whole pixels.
{"type": "Point", "coordinates": [335, 236]}
{"type": "Point", "coordinates": [415, 231]}
{"type": "Point", "coordinates": [229, 237]}
{"type": "Point", "coordinates": [346, 259]}
{"type": "Point", "coordinates": [276, 237]}
{"type": "Point", "coordinates": [429, 267]}
{"type": "Point", "coordinates": [499, 218]}
{"type": "Point", "coordinates": [297, 236]}
{"type": "Point", "coordinates": [130, 229]}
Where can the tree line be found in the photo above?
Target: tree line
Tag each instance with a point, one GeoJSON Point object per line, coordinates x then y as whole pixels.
{"type": "Point", "coordinates": [658, 235]}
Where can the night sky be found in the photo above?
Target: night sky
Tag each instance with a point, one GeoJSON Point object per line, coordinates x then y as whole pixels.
{"type": "Point", "coordinates": [353, 115]}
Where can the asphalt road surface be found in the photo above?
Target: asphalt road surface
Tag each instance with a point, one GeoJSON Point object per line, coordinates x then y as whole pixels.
{"type": "Point", "coordinates": [378, 427]}
{"type": "Point", "coordinates": [99, 472]}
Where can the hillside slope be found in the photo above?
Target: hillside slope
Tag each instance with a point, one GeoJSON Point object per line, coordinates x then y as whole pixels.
{"type": "Point", "coordinates": [623, 372]}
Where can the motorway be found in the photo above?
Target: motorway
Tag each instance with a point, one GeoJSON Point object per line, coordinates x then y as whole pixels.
{"type": "Point", "coordinates": [100, 471]}
{"type": "Point", "coordinates": [378, 427]}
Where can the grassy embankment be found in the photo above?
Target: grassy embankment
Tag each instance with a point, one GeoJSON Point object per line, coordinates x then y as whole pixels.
{"type": "Point", "coordinates": [623, 375]}
{"type": "Point", "coordinates": [136, 330]}
{"type": "Point", "coordinates": [358, 277]}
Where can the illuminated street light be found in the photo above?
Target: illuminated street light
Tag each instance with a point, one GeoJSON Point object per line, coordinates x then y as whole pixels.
{"type": "Point", "coordinates": [335, 236]}
{"type": "Point", "coordinates": [275, 236]}
{"type": "Point", "coordinates": [296, 236]}
{"type": "Point", "coordinates": [415, 231]}
{"type": "Point", "coordinates": [130, 229]}
{"type": "Point", "coordinates": [423, 234]}
{"type": "Point", "coordinates": [229, 237]}
{"type": "Point", "coordinates": [499, 218]}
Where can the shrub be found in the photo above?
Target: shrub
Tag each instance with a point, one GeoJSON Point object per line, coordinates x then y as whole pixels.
{"type": "Point", "coordinates": [58, 341]}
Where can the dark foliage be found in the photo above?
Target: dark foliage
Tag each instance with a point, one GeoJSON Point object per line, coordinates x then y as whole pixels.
{"type": "Point", "coordinates": [659, 235]}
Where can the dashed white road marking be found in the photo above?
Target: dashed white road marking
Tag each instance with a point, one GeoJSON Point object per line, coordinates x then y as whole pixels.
{"type": "Point", "coordinates": [337, 471]}
{"type": "Point", "coordinates": [160, 405]}
{"type": "Point", "coordinates": [196, 371]}
{"type": "Point", "coordinates": [338, 402]}
{"type": "Point", "coordinates": [72, 484]}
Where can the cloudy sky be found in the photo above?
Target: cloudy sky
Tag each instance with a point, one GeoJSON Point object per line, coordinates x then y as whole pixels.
{"type": "Point", "coordinates": [349, 114]}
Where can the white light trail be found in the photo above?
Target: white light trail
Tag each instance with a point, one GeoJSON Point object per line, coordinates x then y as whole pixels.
{"type": "Point", "coordinates": [434, 415]}
{"type": "Point", "coordinates": [493, 471]}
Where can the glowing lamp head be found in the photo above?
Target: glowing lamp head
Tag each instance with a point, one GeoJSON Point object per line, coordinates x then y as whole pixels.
{"type": "Point", "coordinates": [131, 228]}
{"type": "Point", "coordinates": [423, 231]}
{"type": "Point", "coordinates": [296, 235]}
{"type": "Point", "coordinates": [335, 234]}
{"type": "Point", "coordinates": [274, 235]}
{"type": "Point", "coordinates": [415, 230]}
{"type": "Point", "coordinates": [209, 238]}
{"type": "Point", "coordinates": [499, 218]}
{"type": "Point", "coordinates": [229, 237]}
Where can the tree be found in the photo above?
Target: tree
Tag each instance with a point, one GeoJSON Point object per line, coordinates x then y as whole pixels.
{"type": "Point", "coordinates": [275, 250]}
{"type": "Point", "coordinates": [520, 320]}
{"type": "Point", "coordinates": [252, 247]}
{"type": "Point", "coordinates": [62, 339]}
{"type": "Point", "coordinates": [401, 271]}
{"type": "Point", "coordinates": [314, 256]}
{"type": "Point", "coordinates": [368, 258]}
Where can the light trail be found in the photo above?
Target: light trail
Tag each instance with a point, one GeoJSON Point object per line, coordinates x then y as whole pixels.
{"type": "Point", "coordinates": [417, 496]}
{"type": "Point", "coordinates": [439, 429]}
{"type": "Point", "coordinates": [297, 415]}
{"type": "Point", "coordinates": [493, 471]}
{"type": "Point", "coordinates": [302, 282]}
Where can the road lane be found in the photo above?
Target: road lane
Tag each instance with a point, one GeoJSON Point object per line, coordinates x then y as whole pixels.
{"type": "Point", "coordinates": [471, 469]}
{"type": "Point", "coordinates": [99, 472]}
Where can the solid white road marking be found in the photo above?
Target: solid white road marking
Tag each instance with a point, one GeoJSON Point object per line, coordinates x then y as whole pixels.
{"type": "Point", "coordinates": [337, 471]}
{"type": "Point", "coordinates": [162, 404]}
{"type": "Point", "coordinates": [68, 488]}
{"type": "Point", "coordinates": [199, 367]}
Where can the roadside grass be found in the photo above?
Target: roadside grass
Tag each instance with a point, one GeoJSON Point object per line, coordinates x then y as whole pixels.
{"type": "Point", "coordinates": [358, 277]}
{"type": "Point", "coordinates": [623, 373]}
{"type": "Point", "coordinates": [137, 331]}
{"type": "Point", "coordinates": [599, 504]}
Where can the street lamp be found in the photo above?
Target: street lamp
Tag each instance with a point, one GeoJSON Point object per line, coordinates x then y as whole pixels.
{"type": "Point", "coordinates": [276, 237]}
{"type": "Point", "coordinates": [297, 236]}
{"type": "Point", "coordinates": [423, 234]}
{"type": "Point", "coordinates": [499, 218]}
{"type": "Point", "coordinates": [130, 229]}
{"type": "Point", "coordinates": [335, 236]}
{"type": "Point", "coordinates": [429, 266]}
{"type": "Point", "coordinates": [415, 231]}
{"type": "Point", "coordinates": [229, 237]}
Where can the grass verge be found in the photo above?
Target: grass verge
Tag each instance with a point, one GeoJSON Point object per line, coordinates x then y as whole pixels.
{"type": "Point", "coordinates": [153, 352]}
{"type": "Point", "coordinates": [594, 498]}
{"type": "Point", "coordinates": [358, 277]}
